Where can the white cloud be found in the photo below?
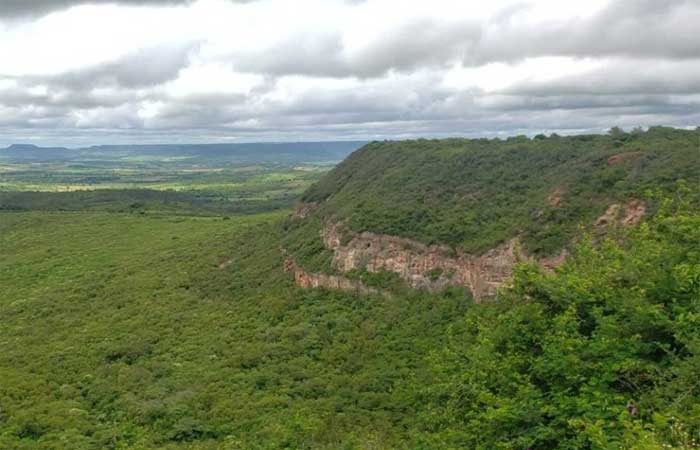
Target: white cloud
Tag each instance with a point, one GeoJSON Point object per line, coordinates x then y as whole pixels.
{"type": "Point", "coordinates": [307, 69]}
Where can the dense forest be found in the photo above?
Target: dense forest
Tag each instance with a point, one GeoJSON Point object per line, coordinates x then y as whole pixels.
{"type": "Point", "coordinates": [178, 327]}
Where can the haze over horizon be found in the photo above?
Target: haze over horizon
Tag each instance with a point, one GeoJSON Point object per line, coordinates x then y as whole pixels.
{"type": "Point", "coordinates": [78, 73]}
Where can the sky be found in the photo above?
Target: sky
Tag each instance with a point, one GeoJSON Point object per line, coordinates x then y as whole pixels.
{"type": "Point", "coordinates": [77, 73]}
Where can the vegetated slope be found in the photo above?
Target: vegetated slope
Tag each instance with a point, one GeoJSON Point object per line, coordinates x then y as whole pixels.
{"type": "Point", "coordinates": [122, 331]}
{"type": "Point", "coordinates": [477, 195]}
{"type": "Point", "coordinates": [132, 331]}
{"type": "Point", "coordinates": [140, 333]}
{"type": "Point", "coordinates": [602, 354]}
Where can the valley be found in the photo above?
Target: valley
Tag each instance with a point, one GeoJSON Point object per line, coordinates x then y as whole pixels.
{"type": "Point", "coordinates": [349, 225]}
{"type": "Point", "coordinates": [387, 309]}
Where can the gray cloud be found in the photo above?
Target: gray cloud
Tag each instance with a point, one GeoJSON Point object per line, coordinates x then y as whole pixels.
{"type": "Point", "coordinates": [625, 77]}
{"type": "Point", "coordinates": [412, 46]}
{"type": "Point", "coordinates": [33, 8]}
{"type": "Point", "coordinates": [649, 74]}
{"type": "Point", "coordinates": [145, 67]}
{"type": "Point", "coordinates": [397, 107]}
{"type": "Point", "coordinates": [626, 29]}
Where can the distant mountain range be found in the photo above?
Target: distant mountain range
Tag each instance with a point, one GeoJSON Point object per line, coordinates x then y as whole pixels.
{"type": "Point", "coordinates": [332, 151]}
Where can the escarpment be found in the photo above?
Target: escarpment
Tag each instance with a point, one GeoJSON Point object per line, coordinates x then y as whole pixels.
{"type": "Point", "coordinates": [628, 214]}
{"type": "Point", "coordinates": [430, 267]}
{"type": "Point", "coordinates": [433, 267]}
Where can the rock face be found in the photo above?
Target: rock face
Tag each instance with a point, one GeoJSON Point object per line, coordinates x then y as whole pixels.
{"type": "Point", "coordinates": [315, 280]}
{"type": "Point", "coordinates": [634, 211]}
{"type": "Point", "coordinates": [554, 198]}
{"type": "Point", "coordinates": [435, 267]}
{"type": "Point", "coordinates": [303, 209]}
{"type": "Point", "coordinates": [430, 267]}
{"type": "Point", "coordinates": [627, 215]}
{"type": "Point", "coordinates": [622, 158]}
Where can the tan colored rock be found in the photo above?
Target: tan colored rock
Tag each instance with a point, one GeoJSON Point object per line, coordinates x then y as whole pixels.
{"type": "Point", "coordinates": [630, 214]}
{"type": "Point", "coordinates": [554, 198]}
{"type": "Point", "coordinates": [609, 216]}
{"type": "Point", "coordinates": [309, 280]}
{"type": "Point", "coordinates": [434, 267]}
{"type": "Point", "coordinates": [430, 267]}
{"type": "Point", "coordinates": [303, 209]}
{"type": "Point", "coordinates": [634, 212]}
{"type": "Point", "coordinates": [622, 158]}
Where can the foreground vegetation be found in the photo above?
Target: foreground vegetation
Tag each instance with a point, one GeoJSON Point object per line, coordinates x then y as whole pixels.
{"type": "Point", "coordinates": [604, 354]}
{"type": "Point", "coordinates": [184, 332]}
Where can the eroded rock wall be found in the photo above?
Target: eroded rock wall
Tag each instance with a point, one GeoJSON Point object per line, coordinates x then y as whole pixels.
{"type": "Point", "coordinates": [434, 267]}
{"type": "Point", "coordinates": [431, 267]}
{"type": "Point", "coordinates": [307, 280]}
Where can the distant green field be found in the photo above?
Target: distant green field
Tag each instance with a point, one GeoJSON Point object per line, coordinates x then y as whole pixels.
{"type": "Point", "coordinates": [198, 179]}
{"type": "Point", "coordinates": [221, 190]}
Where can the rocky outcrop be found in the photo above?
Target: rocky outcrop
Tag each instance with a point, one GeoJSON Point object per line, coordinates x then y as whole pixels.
{"type": "Point", "coordinates": [622, 158]}
{"type": "Point", "coordinates": [307, 280]}
{"type": "Point", "coordinates": [435, 267]}
{"type": "Point", "coordinates": [627, 215]}
{"type": "Point", "coordinates": [554, 198]}
{"type": "Point", "coordinates": [303, 209]}
{"type": "Point", "coordinates": [634, 212]}
{"type": "Point", "coordinates": [430, 267]}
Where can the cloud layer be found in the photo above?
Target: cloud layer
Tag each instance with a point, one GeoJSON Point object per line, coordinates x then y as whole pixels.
{"type": "Point", "coordinates": [74, 72]}
{"type": "Point", "coordinates": [34, 8]}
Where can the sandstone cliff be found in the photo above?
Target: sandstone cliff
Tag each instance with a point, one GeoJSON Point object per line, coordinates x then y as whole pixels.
{"type": "Point", "coordinates": [430, 267]}
{"type": "Point", "coordinates": [435, 267]}
{"type": "Point", "coordinates": [316, 280]}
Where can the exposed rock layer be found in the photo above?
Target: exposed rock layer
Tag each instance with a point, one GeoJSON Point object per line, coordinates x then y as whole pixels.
{"type": "Point", "coordinates": [622, 158]}
{"type": "Point", "coordinates": [315, 280]}
{"type": "Point", "coordinates": [435, 267]}
{"type": "Point", "coordinates": [628, 214]}
{"type": "Point", "coordinates": [431, 267]}
{"type": "Point", "coordinates": [303, 209]}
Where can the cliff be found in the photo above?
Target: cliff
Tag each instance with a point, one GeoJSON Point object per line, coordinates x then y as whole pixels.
{"type": "Point", "coordinates": [430, 267]}
{"type": "Point", "coordinates": [464, 212]}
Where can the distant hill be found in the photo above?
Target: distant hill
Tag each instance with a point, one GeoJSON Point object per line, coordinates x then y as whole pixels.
{"type": "Point", "coordinates": [28, 152]}
{"type": "Point", "coordinates": [286, 152]}
{"type": "Point", "coordinates": [482, 203]}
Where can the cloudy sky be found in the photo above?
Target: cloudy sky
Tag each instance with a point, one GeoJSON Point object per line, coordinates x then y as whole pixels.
{"type": "Point", "coordinates": [78, 72]}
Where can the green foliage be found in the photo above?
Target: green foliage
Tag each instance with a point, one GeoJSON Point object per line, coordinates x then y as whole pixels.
{"type": "Point", "coordinates": [124, 331]}
{"type": "Point", "coordinates": [382, 279]}
{"type": "Point", "coordinates": [435, 274]}
{"type": "Point", "coordinates": [214, 191]}
{"type": "Point", "coordinates": [603, 354]}
{"type": "Point", "coordinates": [134, 322]}
{"type": "Point", "coordinates": [200, 179]}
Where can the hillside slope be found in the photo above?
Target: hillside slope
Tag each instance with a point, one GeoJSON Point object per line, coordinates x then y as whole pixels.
{"type": "Point", "coordinates": [458, 211]}
{"type": "Point", "coordinates": [122, 331]}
